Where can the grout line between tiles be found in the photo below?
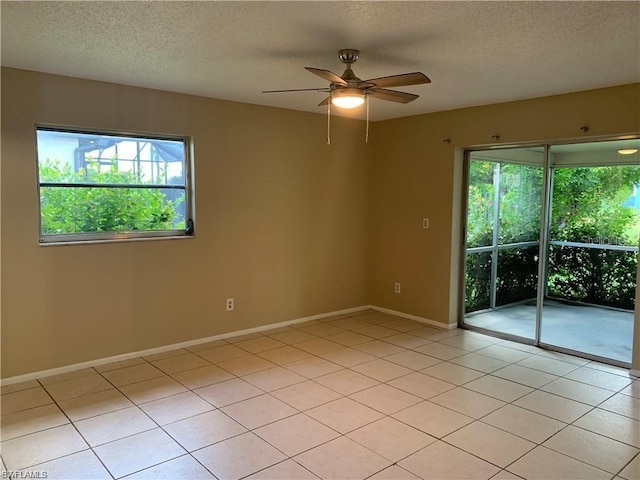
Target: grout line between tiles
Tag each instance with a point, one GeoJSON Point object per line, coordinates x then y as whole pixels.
{"type": "Point", "coordinates": [342, 368]}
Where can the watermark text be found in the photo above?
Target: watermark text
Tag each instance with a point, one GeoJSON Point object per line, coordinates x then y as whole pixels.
{"type": "Point", "coordinates": [18, 474]}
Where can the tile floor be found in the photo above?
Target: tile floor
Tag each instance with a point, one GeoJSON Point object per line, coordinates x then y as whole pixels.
{"type": "Point", "coordinates": [362, 396]}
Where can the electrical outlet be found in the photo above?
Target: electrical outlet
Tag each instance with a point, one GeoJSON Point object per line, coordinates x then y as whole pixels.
{"type": "Point", "coordinates": [425, 223]}
{"type": "Point", "coordinates": [230, 304]}
{"type": "Point", "coordinates": [397, 288]}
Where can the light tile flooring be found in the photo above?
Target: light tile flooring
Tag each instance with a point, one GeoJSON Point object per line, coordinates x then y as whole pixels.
{"type": "Point", "coordinates": [362, 396]}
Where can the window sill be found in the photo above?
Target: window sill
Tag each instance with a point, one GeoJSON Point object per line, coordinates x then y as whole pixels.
{"type": "Point", "coordinates": [113, 240]}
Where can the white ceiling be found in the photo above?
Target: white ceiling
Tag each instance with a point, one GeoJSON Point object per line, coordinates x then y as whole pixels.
{"type": "Point", "coordinates": [475, 52]}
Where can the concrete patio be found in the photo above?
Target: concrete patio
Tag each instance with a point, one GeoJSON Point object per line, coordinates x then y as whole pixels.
{"type": "Point", "coordinates": [592, 330]}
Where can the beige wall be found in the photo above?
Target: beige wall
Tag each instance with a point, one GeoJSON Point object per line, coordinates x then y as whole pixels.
{"type": "Point", "coordinates": [415, 175]}
{"type": "Point", "coordinates": [281, 219]}
{"type": "Point", "coordinates": [286, 225]}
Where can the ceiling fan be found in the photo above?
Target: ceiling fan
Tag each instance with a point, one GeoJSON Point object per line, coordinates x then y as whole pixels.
{"type": "Point", "coordinates": [348, 91]}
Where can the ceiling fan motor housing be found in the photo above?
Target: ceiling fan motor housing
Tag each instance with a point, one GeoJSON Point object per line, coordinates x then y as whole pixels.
{"type": "Point", "coordinates": [348, 55]}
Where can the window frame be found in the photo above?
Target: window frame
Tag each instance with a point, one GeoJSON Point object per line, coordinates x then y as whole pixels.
{"type": "Point", "coordinates": [125, 235]}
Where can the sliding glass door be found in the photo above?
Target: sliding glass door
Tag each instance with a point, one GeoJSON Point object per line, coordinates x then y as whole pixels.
{"type": "Point", "coordinates": [502, 237]}
{"type": "Point", "coordinates": [593, 250]}
{"type": "Point", "coordinates": [552, 245]}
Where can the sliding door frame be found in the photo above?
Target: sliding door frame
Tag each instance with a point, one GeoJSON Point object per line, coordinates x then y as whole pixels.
{"type": "Point", "coordinates": [544, 242]}
{"type": "Point", "coordinates": [463, 244]}
{"type": "Point", "coordinates": [543, 252]}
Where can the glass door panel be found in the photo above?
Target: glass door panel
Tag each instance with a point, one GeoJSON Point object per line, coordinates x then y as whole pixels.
{"type": "Point", "coordinates": [502, 246]}
{"type": "Point", "coordinates": [593, 251]}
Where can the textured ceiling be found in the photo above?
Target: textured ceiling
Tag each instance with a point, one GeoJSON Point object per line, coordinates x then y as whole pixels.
{"type": "Point", "coordinates": [475, 53]}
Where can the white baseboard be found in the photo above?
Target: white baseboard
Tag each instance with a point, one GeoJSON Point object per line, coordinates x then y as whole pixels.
{"type": "Point", "coordinates": [190, 343]}
{"type": "Point", "coordinates": [165, 348]}
{"type": "Point", "coordinates": [408, 316]}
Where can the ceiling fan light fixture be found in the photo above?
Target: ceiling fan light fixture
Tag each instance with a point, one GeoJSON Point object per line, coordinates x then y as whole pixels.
{"type": "Point", "coordinates": [627, 151]}
{"type": "Point", "coordinates": [347, 97]}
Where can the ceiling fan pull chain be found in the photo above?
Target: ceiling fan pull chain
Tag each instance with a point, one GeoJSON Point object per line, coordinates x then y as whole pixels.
{"type": "Point", "coordinates": [329, 121]}
{"type": "Point", "coordinates": [366, 136]}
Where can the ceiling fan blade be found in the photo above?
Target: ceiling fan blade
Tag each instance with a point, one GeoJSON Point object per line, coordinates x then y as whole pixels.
{"type": "Point", "coordinates": [325, 101]}
{"type": "Point", "coordinates": [327, 75]}
{"type": "Point", "coordinates": [392, 95]}
{"type": "Point", "coordinates": [297, 90]}
{"type": "Point", "coordinates": [401, 80]}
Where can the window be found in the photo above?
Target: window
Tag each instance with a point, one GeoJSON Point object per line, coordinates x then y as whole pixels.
{"type": "Point", "coordinates": [108, 186]}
